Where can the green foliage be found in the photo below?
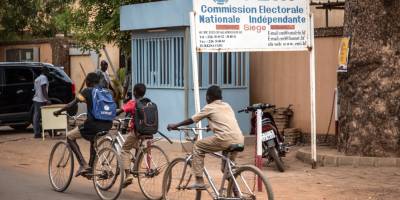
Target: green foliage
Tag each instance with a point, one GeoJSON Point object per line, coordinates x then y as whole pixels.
{"type": "Point", "coordinates": [24, 19]}
{"type": "Point", "coordinates": [96, 22]}
{"type": "Point", "coordinates": [92, 23]}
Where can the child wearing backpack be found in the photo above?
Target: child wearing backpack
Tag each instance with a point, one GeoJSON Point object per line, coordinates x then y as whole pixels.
{"type": "Point", "coordinates": [139, 109]}
{"type": "Point", "coordinates": [101, 110]}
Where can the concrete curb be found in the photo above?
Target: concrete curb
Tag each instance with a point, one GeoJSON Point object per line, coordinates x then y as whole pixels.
{"type": "Point", "coordinates": [331, 160]}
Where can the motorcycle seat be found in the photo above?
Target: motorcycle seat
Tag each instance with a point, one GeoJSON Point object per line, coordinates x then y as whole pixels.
{"type": "Point", "coordinates": [235, 148]}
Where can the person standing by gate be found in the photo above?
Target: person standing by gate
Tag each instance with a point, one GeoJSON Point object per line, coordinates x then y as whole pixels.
{"type": "Point", "coordinates": [105, 81]}
{"type": "Point", "coordinates": [40, 99]}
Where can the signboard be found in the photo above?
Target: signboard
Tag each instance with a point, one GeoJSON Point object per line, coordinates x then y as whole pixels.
{"type": "Point", "coordinates": [252, 25]}
{"type": "Point", "coordinates": [344, 54]}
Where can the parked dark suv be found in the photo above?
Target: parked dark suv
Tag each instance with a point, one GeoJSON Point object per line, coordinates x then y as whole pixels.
{"type": "Point", "coordinates": [17, 90]}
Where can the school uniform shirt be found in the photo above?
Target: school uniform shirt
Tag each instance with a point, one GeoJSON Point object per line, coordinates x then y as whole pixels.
{"type": "Point", "coordinates": [91, 126]}
{"type": "Point", "coordinates": [39, 82]}
{"type": "Point", "coordinates": [221, 120]}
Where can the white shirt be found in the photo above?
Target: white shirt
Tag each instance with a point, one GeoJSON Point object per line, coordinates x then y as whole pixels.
{"type": "Point", "coordinates": [39, 81]}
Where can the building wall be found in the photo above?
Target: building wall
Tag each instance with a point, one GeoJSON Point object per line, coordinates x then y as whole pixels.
{"type": "Point", "coordinates": [90, 63]}
{"type": "Point", "coordinates": [45, 51]}
{"type": "Point", "coordinates": [335, 19]}
{"type": "Point", "coordinates": [77, 75]}
{"type": "Point", "coordinates": [282, 78]}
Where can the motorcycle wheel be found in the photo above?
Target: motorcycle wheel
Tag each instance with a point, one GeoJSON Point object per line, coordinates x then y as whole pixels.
{"type": "Point", "coordinates": [278, 161]}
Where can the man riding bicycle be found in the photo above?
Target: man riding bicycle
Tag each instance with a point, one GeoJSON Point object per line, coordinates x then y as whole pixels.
{"type": "Point", "coordinates": [222, 121]}
{"type": "Point", "coordinates": [89, 128]}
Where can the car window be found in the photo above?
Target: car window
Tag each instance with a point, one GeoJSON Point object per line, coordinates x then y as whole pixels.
{"type": "Point", "coordinates": [18, 75]}
{"type": "Point", "coordinates": [60, 74]}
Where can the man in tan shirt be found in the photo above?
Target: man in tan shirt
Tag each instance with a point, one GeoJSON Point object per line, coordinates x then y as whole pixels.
{"type": "Point", "coordinates": [222, 121]}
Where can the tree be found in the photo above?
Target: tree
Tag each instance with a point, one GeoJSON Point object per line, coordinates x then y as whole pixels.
{"type": "Point", "coordinates": [95, 23]}
{"type": "Point", "coordinates": [369, 92]}
{"type": "Point", "coordinates": [32, 18]}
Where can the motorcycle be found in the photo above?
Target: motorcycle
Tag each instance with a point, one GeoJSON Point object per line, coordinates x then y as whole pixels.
{"type": "Point", "coordinates": [272, 141]}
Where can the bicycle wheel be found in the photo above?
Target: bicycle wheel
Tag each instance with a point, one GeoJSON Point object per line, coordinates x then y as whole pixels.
{"type": "Point", "coordinates": [107, 174]}
{"type": "Point", "coordinates": [150, 168]}
{"type": "Point", "coordinates": [61, 166]}
{"type": "Point", "coordinates": [105, 142]}
{"type": "Point", "coordinates": [177, 177]}
{"type": "Point", "coordinates": [252, 184]}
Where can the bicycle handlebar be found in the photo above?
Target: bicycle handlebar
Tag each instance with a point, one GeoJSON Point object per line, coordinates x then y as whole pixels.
{"type": "Point", "coordinates": [120, 120]}
{"type": "Point", "coordinates": [164, 136]}
{"type": "Point", "coordinates": [255, 107]}
{"type": "Point", "coordinates": [194, 129]}
{"type": "Point", "coordinates": [73, 117]}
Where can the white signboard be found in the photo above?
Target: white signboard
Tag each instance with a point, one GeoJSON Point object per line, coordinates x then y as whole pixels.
{"type": "Point", "coordinates": [252, 25]}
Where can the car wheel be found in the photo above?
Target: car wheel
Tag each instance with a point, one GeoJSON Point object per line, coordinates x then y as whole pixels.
{"type": "Point", "coordinates": [20, 127]}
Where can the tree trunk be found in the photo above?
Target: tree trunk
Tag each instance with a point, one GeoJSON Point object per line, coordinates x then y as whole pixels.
{"type": "Point", "coordinates": [369, 93]}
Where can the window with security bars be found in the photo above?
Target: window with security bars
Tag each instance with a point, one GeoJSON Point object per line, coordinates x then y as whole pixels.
{"type": "Point", "coordinates": [224, 69]}
{"type": "Point", "coordinates": [158, 60]}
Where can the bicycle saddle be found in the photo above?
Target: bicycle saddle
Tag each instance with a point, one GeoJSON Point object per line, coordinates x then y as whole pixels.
{"type": "Point", "coordinates": [101, 133]}
{"type": "Point", "coordinates": [145, 137]}
{"type": "Point", "coordinates": [235, 147]}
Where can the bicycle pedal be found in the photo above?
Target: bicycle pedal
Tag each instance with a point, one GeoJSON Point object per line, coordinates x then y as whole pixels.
{"type": "Point", "coordinates": [88, 176]}
{"type": "Point", "coordinates": [134, 173]}
{"type": "Point", "coordinates": [223, 192]}
{"type": "Point", "coordinates": [197, 188]}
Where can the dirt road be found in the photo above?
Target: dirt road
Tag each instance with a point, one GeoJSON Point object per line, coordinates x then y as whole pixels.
{"type": "Point", "coordinates": [23, 176]}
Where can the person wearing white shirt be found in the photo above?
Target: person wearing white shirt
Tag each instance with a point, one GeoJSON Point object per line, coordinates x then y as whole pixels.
{"type": "Point", "coordinates": [40, 99]}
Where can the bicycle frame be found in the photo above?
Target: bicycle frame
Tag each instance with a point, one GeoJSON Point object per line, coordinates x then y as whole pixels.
{"type": "Point", "coordinates": [75, 118]}
{"type": "Point", "coordinates": [227, 174]}
{"type": "Point", "coordinates": [228, 171]}
{"type": "Point", "coordinates": [119, 140]}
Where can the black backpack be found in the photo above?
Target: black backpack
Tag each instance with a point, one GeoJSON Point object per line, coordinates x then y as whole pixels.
{"type": "Point", "coordinates": [146, 117]}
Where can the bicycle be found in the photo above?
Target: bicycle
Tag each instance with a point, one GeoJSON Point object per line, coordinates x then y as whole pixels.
{"type": "Point", "coordinates": [104, 174]}
{"type": "Point", "coordinates": [178, 176]}
{"type": "Point", "coordinates": [148, 161]}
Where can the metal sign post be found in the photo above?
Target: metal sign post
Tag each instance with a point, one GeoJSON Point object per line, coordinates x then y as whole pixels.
{"type": "Point", "coordinates": [312, 98]}
{"type": "Point", "coordinates": [259, 144]}
{"type": "Point", "coordinates": [195, 69]}
{"type": "Point", "coordinates": [251, 26]}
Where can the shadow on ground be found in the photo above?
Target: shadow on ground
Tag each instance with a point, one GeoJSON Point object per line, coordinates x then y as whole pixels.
{"type": "Point", "coordinates": [5, 130]}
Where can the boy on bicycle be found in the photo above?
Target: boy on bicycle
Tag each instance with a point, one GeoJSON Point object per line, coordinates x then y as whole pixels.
{"type": "Point", "coordinates": [132, 141]}
{"type": "Point", "coordinates": [89, 128]}
{"type": "Point", "coordinates": [222, 121]}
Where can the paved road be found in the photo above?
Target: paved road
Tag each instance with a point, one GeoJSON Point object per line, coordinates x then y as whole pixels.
{"type": "Point", "coordinates": [23, 175]}
{"type": "Point", "coordinates": [18, 185]}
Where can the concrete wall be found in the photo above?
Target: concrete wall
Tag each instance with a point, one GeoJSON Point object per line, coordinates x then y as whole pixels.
{"type": "Point", "coordinates": [171, 13]}
{"type": "Point", "coordinates": [170, 103]}
{"type": "Point", "coordinates": [237, 98]}
{"type": "Point", "coordinates": [282, 78]}
{"type": "Point", "coordinates": [336, 18]}
{"type": "Point", "coordinates": [77, 74]}
{"type": "Point", "coordinates": [45, 51]}
{"type": "Point", "coordinates": [89, 63]}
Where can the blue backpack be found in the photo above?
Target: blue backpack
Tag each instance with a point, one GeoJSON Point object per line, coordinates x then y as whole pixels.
{"type": "Point", "coordinates": [103, 106]}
